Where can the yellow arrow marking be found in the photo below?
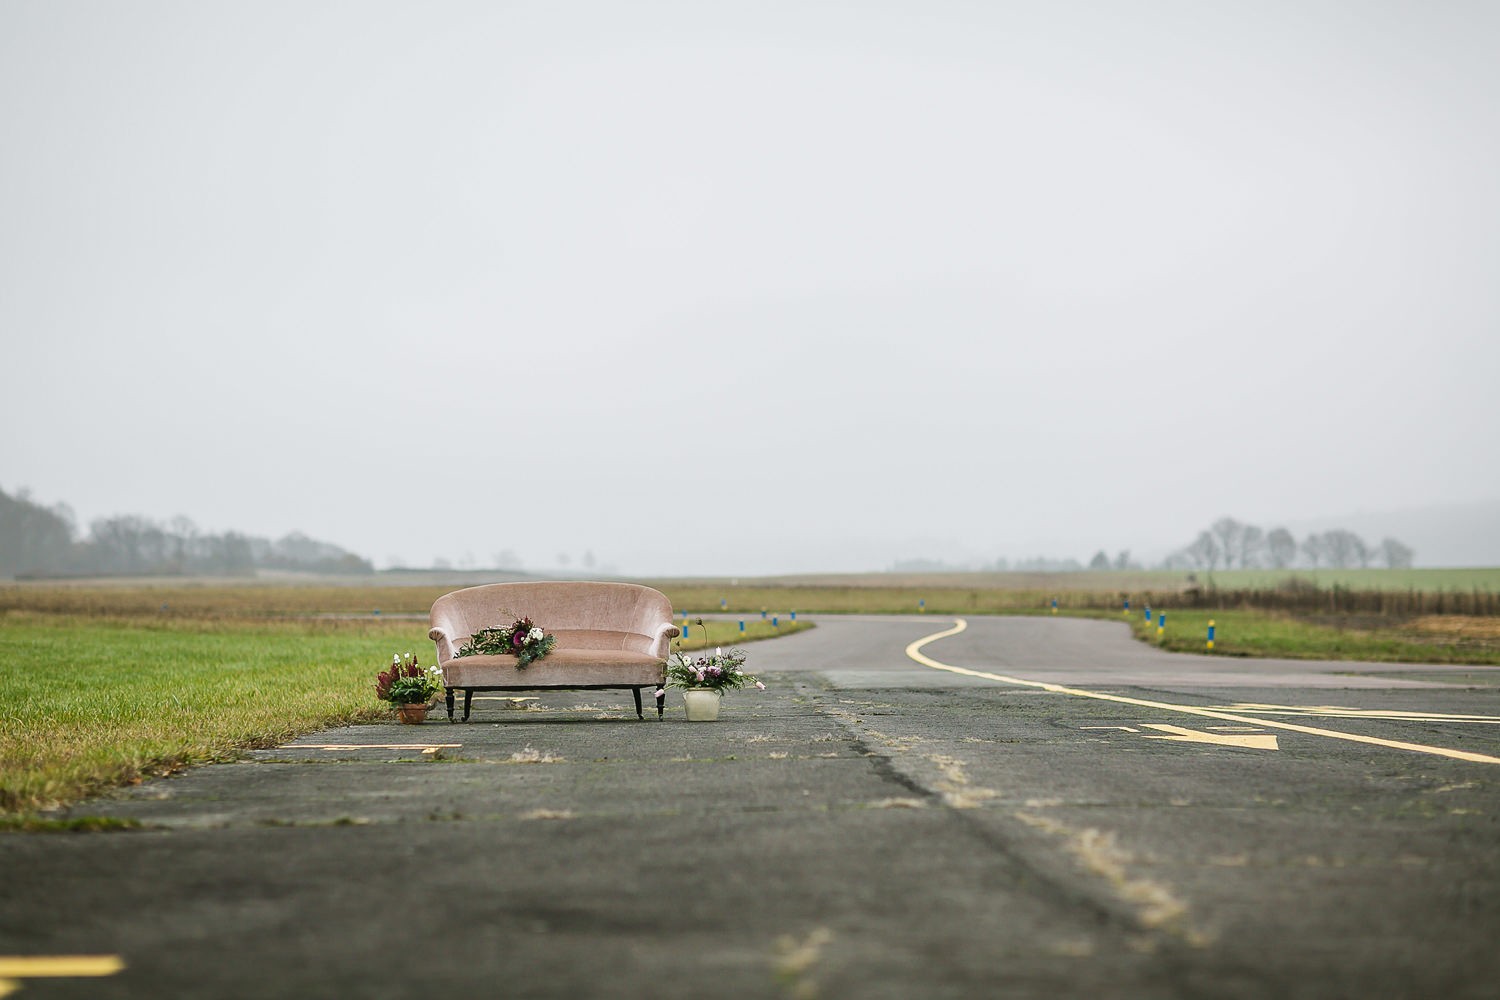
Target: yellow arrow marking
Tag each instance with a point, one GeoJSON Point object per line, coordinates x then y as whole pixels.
{"type": "Point", "coordinates": [54, 966]}
{"type": "Point", "coordinates": [1193, 736]}
{"type": "Point", "coordinates": [914, 650]}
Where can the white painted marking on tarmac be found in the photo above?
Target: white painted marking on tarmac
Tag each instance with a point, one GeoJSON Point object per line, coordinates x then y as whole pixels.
{"type": "Point", "coordinates": [1180, 735]}
{"type": "Point", "coordinates": [914, 650]}
{"type": "Point", "coordinates": [1126, 728]}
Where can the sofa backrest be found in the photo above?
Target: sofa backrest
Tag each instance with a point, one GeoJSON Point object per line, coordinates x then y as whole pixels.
{"type": "Point", "coordinates": [582, 615]}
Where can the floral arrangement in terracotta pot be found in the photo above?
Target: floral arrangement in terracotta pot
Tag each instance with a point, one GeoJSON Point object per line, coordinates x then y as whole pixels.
{"type": "Point", "coordinates": [408, 683]}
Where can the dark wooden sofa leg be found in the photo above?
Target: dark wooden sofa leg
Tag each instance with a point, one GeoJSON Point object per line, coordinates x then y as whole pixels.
{"type": "Point", "coordinates": [638, 713]}
{"type": "Point", "coordinates": [661, 699]}
{"type": "Point", "coordinates": [450, 704]}
{"type": "Point", "coordinates": [468, 700]}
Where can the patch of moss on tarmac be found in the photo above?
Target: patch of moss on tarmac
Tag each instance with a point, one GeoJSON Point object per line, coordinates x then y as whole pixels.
{"type": "Point", "coordinates": [75, 824]}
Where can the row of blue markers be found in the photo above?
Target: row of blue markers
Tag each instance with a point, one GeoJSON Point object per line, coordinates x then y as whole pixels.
{"type": "Point", "coordinates": [1161, 620]}
{"type": "Point", "coordinates": [774, 619]}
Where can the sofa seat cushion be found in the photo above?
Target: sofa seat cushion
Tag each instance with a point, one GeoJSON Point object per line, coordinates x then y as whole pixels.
{"type": "Point", "coordinates": [563, 667]}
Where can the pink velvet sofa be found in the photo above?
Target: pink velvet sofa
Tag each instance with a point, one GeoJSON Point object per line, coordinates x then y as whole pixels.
{"type": "Point", "coordinates": [609, 636]}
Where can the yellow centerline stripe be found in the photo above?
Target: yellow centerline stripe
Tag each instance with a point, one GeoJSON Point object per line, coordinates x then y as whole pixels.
{"type": "Point", "coordinates": [50, 966]}
{"type": "Point", "coordinates": [915, 652]}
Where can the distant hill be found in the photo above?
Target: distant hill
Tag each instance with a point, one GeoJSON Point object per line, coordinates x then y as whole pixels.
{"type": "Point", "coordinates": [1448, 535]}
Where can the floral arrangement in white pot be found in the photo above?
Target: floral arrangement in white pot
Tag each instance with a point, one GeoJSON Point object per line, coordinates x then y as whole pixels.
{"type": "Point", "coordinates": [705, 678]}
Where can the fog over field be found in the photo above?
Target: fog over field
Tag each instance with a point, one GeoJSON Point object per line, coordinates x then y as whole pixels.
{"type": "Point", "coordinates": [684, 288]}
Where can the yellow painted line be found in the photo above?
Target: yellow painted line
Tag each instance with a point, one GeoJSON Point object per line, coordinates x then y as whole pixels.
{"type": "Point", "coordinates": [55, 966]}
{"type": "Point", "coordinates": [1338, 712]}
{"type": "Point", "coordinates": [1180, 735]}
{"type": "Point", "coordinates": [915, 652]}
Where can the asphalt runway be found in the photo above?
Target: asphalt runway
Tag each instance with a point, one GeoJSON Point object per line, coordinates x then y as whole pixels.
{"type": "Point", "coordinates": [1025, 807]}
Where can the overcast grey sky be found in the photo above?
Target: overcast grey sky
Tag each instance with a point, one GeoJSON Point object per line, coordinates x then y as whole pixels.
{"type": "Point", "coordinates": [748, 288]}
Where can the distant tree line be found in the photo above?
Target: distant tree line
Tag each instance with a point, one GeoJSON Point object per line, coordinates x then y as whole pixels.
{"type": "Point", "coordinates": [1036, 564]}
{"type": "Point", "coordinates": [43, 541]}
{"type": "Point", "coordinates": [1230, 544]}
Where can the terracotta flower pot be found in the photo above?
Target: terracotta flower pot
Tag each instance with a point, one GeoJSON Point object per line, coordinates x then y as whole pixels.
{"type": "Point", "coordinates": [412, 715]}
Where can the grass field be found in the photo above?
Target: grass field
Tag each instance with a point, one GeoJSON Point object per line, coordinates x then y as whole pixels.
{"type": "Point", "coordinates": [1103, 581]}
{"type": "Point", "coordinates": [886, 593]}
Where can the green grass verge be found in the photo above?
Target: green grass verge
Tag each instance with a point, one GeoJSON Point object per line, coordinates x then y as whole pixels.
{"type": "Point", "coordinates": [720, 633]}
{"type": "Point", "coordinates": [93, 704]}
{"type": "Point", "coordinates": [1259, 633]}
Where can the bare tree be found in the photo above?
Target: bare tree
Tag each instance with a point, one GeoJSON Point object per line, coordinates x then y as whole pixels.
{"type": "Point", "coordinates": [1315, 548]}
{"type": "Point", "coordinates": [1281, 548]}
{"type": "Point", "coordinates": [1396, 555]}
{"type": "Point", "coordinates": [1343, 548]}
{"type": "Point", "coordinates": [1252, 542]}
{"type": "Point", "coordinates": [182, 531]}
{"type": "Point", "coordinates": [1229, 534]}
{"type": "Point", "coordinates": [1204, 552]}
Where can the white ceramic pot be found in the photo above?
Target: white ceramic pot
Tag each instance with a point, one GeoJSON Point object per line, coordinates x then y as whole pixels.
{"type": "Point", "coordinates": [702, 704]}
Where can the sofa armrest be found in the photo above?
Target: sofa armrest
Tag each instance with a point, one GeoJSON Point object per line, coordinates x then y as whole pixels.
{"type": "Point", "coordinates": [661, 643]}
{"type": "Point", "coordinates": [445, 648]}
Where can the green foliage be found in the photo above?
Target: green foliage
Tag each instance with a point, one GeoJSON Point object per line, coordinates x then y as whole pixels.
{"type": "Point", "coordinates": [521, 639]}
{"type": "Point", "coordinates": [487, 642]}
{"type": "Point", "coordinates": [407, 683]}
{"type": "Point", "coordinates": [534, 651]}
{"type": "Point", "coordinates": [716, 671]}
